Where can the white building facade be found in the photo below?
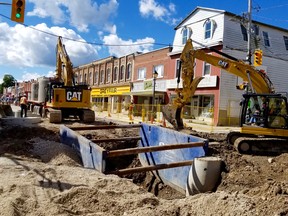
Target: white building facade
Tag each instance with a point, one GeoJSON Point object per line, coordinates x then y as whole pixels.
{"type": "Point", "coordinates": [222, 30]}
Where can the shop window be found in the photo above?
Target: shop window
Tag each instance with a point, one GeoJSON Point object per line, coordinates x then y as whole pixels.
{"type": "Point", "coordinates": [207, 106]}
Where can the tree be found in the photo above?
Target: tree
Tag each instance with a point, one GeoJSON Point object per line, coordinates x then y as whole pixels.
{"type": "Point", "coordinates": [1, 88]}
{"type": "Point", "coordinates": [8, 80]}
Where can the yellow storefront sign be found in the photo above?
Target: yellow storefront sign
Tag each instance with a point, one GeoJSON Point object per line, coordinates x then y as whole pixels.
{"type": "Point", "coordinates": [109, 91]}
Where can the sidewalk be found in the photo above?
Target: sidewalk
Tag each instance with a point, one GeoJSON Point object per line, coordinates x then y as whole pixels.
{"type": "Point", "coordinates": [188, 124]}
{"type": "Point", "coordinates": [123, 117]}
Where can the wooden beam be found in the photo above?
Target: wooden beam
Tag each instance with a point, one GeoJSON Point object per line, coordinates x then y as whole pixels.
{"type": "Point", "coordinates": [116, 139]}
{"type": "Point", "coordinates": [129, 151]}
{"type": "Point", "coordinates": [150, 168]}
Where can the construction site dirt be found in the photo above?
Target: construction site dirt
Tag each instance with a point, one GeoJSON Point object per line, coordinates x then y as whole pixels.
{"type": "Point", "coordinates": [41, 176]}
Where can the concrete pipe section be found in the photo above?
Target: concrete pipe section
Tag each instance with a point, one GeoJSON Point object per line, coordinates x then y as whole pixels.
{"type": "Point", "coordinates": [204, 175]}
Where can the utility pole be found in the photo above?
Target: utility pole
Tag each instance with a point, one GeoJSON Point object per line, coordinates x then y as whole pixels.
{"type": "Point", "coordinates": [249, 53]}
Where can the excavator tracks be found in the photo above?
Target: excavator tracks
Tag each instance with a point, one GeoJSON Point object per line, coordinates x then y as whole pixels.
{"type": "Point", "coordinates": [260, 146]}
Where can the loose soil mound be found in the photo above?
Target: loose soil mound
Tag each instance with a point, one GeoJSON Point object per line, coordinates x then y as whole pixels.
{"type": "Point", "coordinates": [40, 176]}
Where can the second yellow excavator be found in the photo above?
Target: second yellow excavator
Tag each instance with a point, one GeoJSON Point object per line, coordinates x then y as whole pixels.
{"type": "Point", "coordinates": [264, 113]}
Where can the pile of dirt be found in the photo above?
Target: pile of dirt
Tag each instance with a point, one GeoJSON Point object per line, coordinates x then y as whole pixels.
{"type": "Point", "coordinates": [40, 176]}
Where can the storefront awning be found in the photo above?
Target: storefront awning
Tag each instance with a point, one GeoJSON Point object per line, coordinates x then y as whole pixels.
{"type": "Point", "coordinates": [144, 93]}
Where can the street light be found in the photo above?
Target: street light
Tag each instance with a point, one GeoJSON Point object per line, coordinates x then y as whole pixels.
{"type": "Point", "coordinates": [155, 75]}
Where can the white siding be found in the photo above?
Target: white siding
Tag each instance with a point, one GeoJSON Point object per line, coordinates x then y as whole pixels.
{"type": "Point", "coordinates": [228, 32]}
{"type": "Point", "coordinates": [228, 82]}
{"type": "Point", "coordinates": [277, 71]}
{"type": "Point", "coordinates": [232, 35]}
{"type": "Point", "coordinates": [196, 23]}
{"type": "Point", "coordinates": [233, 38]}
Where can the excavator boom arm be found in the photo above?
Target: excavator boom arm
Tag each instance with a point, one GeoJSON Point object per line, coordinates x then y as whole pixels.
{"type": "Point", "coordinates": [63, 73]}
{"type": "Point", "coordinates": [258, 80]}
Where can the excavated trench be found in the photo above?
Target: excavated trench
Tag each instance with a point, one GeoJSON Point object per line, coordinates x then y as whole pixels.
{"type": "Point", "coordinates": [20, 141]}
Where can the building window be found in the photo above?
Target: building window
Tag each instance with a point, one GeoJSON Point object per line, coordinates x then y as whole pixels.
{"type": "Point", "coordinates": [90, 78]}
{"type": "Point", "coordinates": [96, 77]}
{"type": "Point", "coordinates": [141, 73]}
{"type": "Point", "coordinates": [115, 74]}
{"type": "Point", "coordinates": [208, 29]}
{"type": "Point", "coordinates": [122, 72]}
{"type": "Point", "coordinates": [80, 78]}
{"type": "Point", "coordinates": [244, 32]}
{"type": "Point", "coordinates": [102, 75]}
{"type": "Point", "coordinates": [266, 39]}
{"type": "Point", "coordinates": [255, 30]}
{"type": "Point", "coordinates": [76, 78]}
{"type": "Point", "coordinates": [178, 69]}
{"type": "Point", "coordinates": [108, 75]}
{"type": "Point", "coordinates": [160, 70]}
{"type": "Point", "coordinates": [207, 69]}
{"type": "Point", "coordinates": [85, 78]}
{"type": "Point", "coordinates": [129, 71]}
{"type": "Point", "coordinates": [186, 34]}
{"type": "Point", "coordinates": [286, 42]}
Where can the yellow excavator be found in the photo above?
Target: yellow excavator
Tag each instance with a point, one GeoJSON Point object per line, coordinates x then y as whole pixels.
{"type": "Point", "coordinates": [264, 113]}
{"type": "Point", "coordinates": [65, 98]}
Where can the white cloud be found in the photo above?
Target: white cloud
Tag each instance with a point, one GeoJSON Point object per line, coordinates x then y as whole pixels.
{"type": "Point", "coordinates": [44, 9]}
{"type": "Point", "coordinates": [123, 47]}
{"type": "Point", "coordinates": [80, 13]}
{"type": "Point", "coordinates": [26, 47]}
{"type": "Point", "coordinates": [159, 12]}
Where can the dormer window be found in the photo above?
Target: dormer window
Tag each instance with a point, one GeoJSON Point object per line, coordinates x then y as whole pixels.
{"type": "Point", "coordinates": [209, 28]}
{"type": "Point", "coordinates": [186, 34]}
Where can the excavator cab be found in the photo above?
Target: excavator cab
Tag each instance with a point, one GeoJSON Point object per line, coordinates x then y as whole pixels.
{"type": "Point", "coordinates": [264, 110]}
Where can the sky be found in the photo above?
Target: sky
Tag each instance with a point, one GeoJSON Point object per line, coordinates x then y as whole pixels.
{"type": "Point", "coordinates": [96, 29]}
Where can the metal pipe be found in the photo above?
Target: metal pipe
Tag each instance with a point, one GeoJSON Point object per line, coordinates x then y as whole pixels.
{"type": "Point", "coordinates": [129, 151]}
{"type": "Point", "coordinates": [151, 168]}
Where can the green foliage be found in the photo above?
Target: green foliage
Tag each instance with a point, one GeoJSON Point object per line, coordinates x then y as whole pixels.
{"type": "Point", "coordinates": [1, 89]}
{"type": "Point", "coordinates": [8, 80]}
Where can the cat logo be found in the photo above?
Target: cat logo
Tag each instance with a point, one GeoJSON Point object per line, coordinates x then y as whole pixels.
{"type": "Point", "coordinates": [74, 96]}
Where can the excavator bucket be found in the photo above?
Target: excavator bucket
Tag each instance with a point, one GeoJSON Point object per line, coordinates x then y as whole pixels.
{"type": "Point", "coordinates": [173, 112]}
{"type": "Point", "coordinates": [173, 115]}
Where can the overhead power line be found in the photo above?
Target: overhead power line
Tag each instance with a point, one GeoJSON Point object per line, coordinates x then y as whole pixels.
{"type": "Point", "coordinates": [87, 42]}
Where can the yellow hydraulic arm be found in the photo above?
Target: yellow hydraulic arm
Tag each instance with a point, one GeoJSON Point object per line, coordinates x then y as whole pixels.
{"type": "Point", "coordinates": [64, 65]}
{"type": "Point", "coordinates": [258, 81]}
